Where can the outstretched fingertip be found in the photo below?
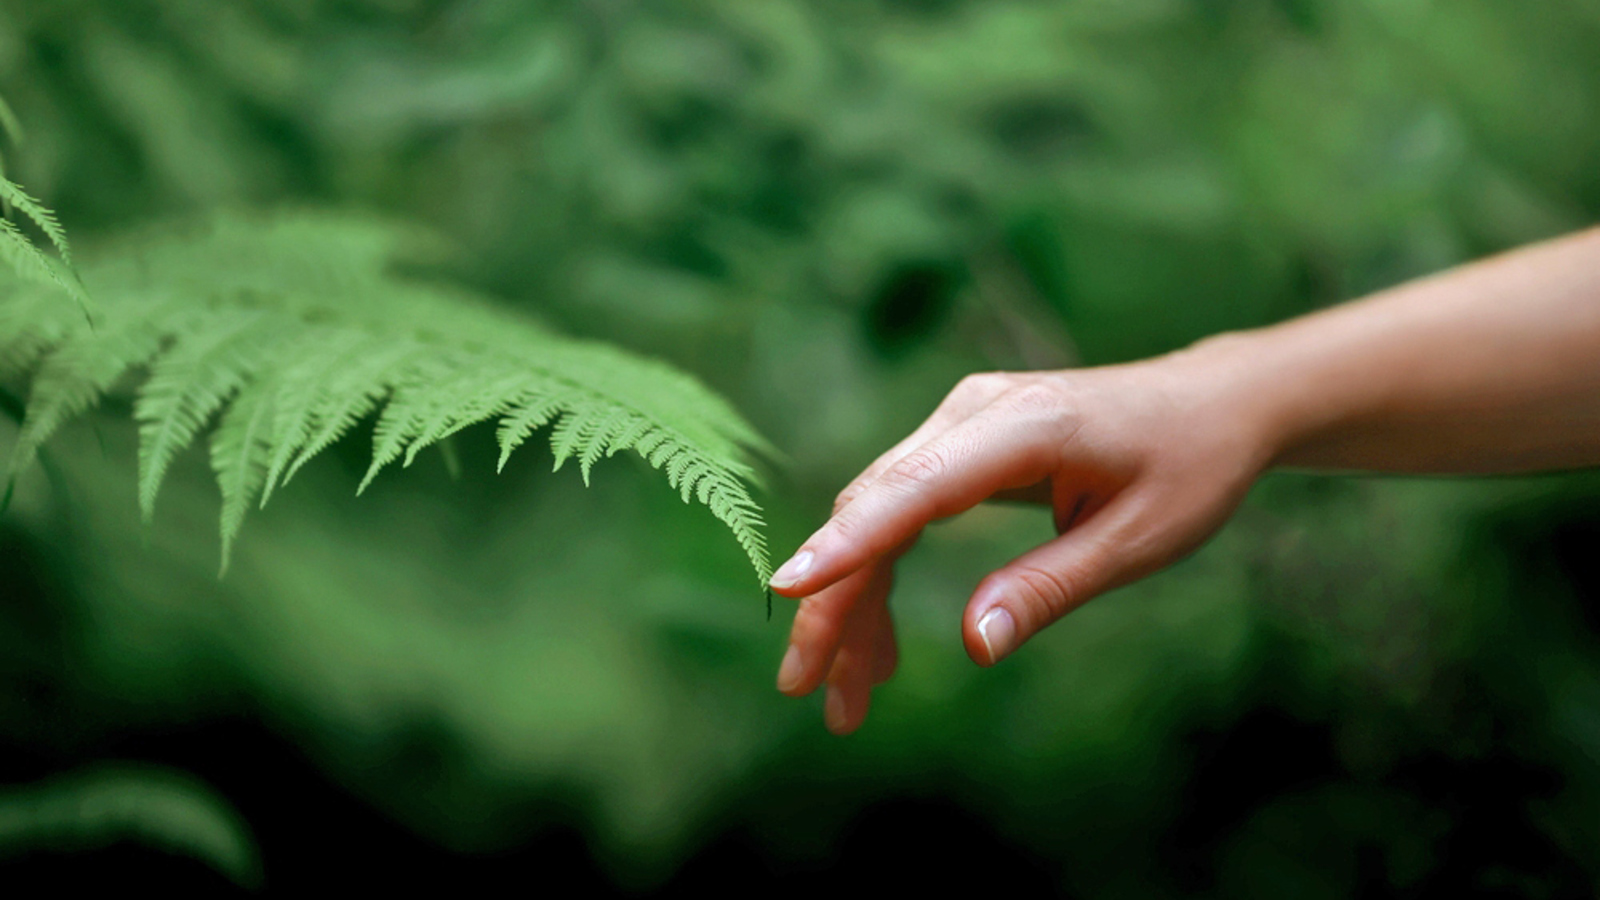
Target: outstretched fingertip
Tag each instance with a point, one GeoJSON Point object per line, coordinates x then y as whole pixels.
{"type": "Point", "coordinates": [789, 575]}
{"type": "Point", "coordinates": [997, 634]}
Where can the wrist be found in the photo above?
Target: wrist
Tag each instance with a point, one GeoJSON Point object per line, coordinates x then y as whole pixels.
{"type": "Point", "coordinates": [1249, 380]}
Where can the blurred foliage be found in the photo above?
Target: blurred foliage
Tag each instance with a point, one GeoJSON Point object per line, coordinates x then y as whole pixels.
{"type": "Point", "coordinates": [163, 809]}
{"type": "Point", "coordinates": [829, 212]}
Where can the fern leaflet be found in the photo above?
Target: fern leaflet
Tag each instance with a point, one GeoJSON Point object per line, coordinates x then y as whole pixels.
{"type": "Point", "coordinates": [16, 198]}
{"type": "Point", "coordinates": [17, 251]}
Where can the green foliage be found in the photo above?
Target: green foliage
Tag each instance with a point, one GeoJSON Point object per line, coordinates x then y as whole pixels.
{"type": "Point", "coordinates": [160, 809]}
{"type": "Point", "coordinates": [290, 329]}
{"type": "Point", "coordinates": [17, 251]}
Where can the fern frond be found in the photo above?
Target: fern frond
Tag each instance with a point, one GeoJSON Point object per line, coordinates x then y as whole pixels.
{"type": "Point", "coordinates": [289, 330]}
{"type": "Point", "coordinates": [440, 416]}
{"type": "Point", "coordinates": [582, 431]}
{"type": "Point", "coordinates": [21, 256]}
{"type": "Point", "coordinates": [74, 375]}
{"type": "Point", "coordinates": [32, 320]}
{"type": "Point", "coordinates": [241, 451]}
{"type": "Point", "coordinates": [530, 413]}
{"type": "Point", "coordinates": [17, 251]}
{"type": "Point", "coordinates": [189, 382]}
{"type": "Point", "coordinates": [348, 395]}
{"type": "Point", "coordinates": [296, 390]}
{"type": "Point", "coordinates": [35, 212]}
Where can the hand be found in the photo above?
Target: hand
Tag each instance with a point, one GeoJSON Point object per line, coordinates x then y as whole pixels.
{"type": "Point", "coordinates": [1141, 463]}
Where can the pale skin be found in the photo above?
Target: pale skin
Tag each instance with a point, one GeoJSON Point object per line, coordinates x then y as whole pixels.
{"type": "Point", "coordinates": [1489, 368]}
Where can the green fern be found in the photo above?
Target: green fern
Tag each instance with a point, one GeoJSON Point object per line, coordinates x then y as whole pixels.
{"type": "Point", "coordinates": [288, 330]}
{"type": "Point", "coordinates": [17, 251]}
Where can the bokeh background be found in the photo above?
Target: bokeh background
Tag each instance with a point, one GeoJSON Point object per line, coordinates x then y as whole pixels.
{"type": "Point", "coordinates": [828, 211]}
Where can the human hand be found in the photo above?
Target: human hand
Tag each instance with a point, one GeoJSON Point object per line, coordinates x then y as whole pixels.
{"type": "Point", "coordinates": [1141, 464]}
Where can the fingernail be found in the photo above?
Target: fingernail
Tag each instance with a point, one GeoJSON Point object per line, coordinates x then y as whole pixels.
{"type": "Point", "coordinates": [790, 573]}
{"type": "Point", "coordinates": [833, 710]}
{"type": "Point", "coordinates": [789, 673]}
{"type": "Point", "coordinates": [999, 633]}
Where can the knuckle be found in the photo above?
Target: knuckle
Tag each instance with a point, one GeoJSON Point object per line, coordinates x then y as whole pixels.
{"type": "Point", "coordinates": [1034, 398]}
{"type": "Point", "coordinates": [1047, 405]}
{"type": "Point", "coordinates": [981, 384]}
{"type": "Point", "coordinates": [1051, 593]}
{"type": "Point", "coordinates": [972, 383]}
{"type": "Point", "coordinates": [848, 494]}
{"type": "Point", "coordinates": [919, 468]}
{"type": "Point", "coordinates": [848, 528]}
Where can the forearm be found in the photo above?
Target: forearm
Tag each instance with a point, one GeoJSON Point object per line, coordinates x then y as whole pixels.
{"type": "Point", "coordinates": [1491, 367]}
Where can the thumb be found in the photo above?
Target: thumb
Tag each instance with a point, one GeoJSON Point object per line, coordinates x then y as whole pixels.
{"type": "Point", "coordinates": [1016, 602]}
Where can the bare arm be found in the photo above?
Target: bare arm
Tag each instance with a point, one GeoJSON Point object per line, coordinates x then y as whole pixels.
{"type": "Point", "coordinates": [1493, 367]}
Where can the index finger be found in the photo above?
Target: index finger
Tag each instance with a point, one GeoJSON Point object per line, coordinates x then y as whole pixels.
{"type": "Point", "coordinates": [972, 394]}
{"type": "Point", "coordinates": [1009, 444]}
